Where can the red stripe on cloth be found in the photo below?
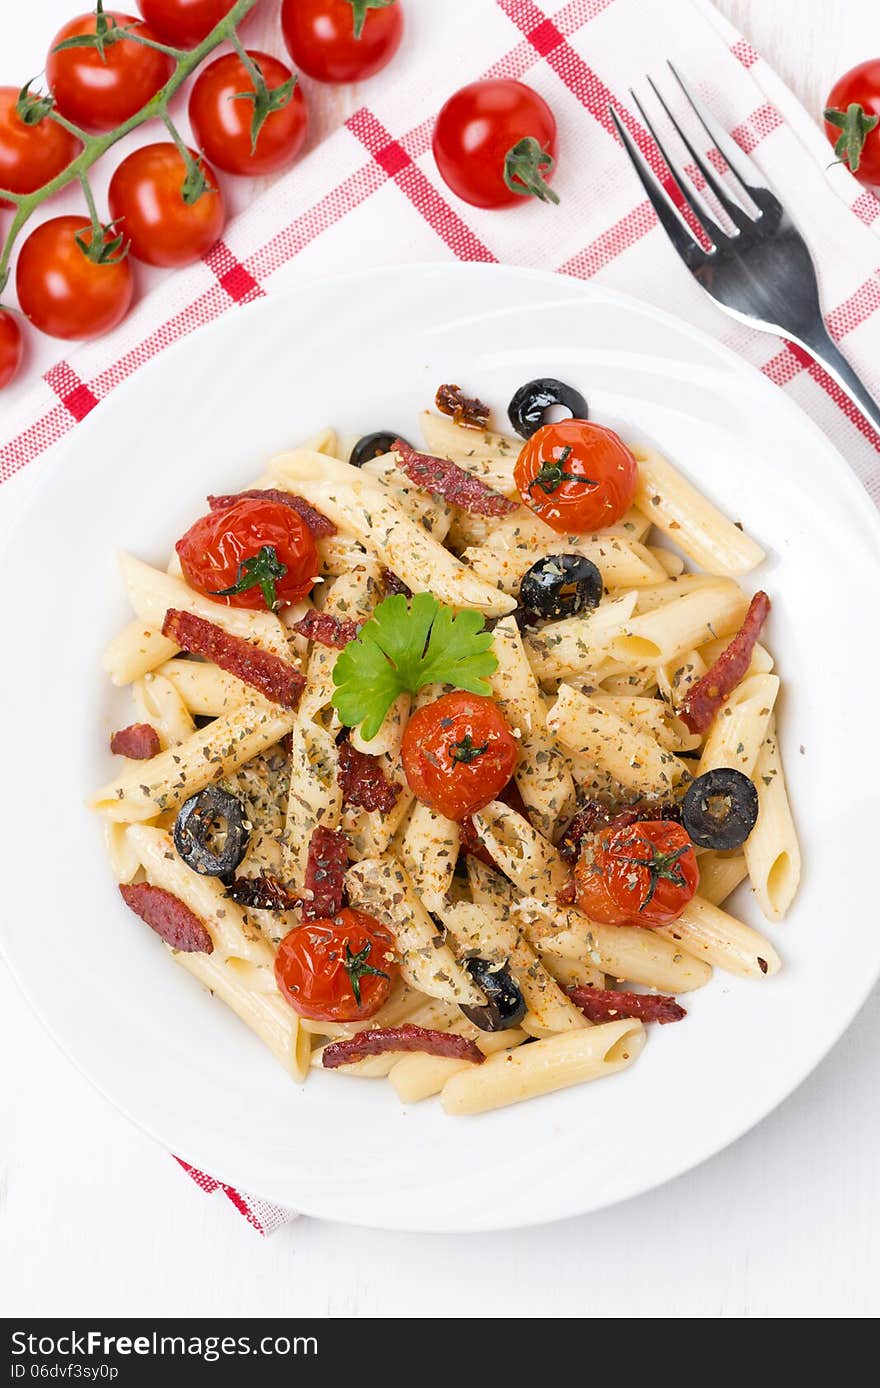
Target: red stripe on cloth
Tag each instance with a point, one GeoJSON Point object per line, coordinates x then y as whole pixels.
{"type": "Point", "coordinates": [238, 282]}
{"type": "Point", "coordinates": [745, 53]}
{"type": "Point", "coordinates": [567, 21]}
{"type": "Point", "coordinates": [866, 207]}
{"type": "Point", "coordinates": [611, 243]}
{"type": "Point", "coordinates": [73, 392]}
{"type": "Point", "coordinates": [34, 440]}
{"type": "Point", "coordinates": [287, 243]}
{"type": "Point", "coordinates": [756, 127]}
{"type": "Point", "coordinates": [201, 1178]}
{"type": "Point", "coordinates": [208, 306]}
{"type": "Point", "coordinates": [391, 156]}
{"type": "Point", "coordinates": [792, 360]}
{"type": "Point", "coordinates": [243, 1207]}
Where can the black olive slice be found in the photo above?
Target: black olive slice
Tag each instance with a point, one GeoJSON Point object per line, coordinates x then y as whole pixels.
{"type": "Point", "coordinates": [371, 446]}
{"type": "Point", "coordinates": [531, 402]}
{"type": "Point", "coordinates": [211, 832]}
{"type": "Point", "coordinates": [560, 585]}
{"type": "Point", "coordinates": [506, 1005]}
{"type": "Point", "coordinates": [720, 809]}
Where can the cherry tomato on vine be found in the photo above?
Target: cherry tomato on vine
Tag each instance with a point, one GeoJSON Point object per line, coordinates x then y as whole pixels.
{"type": "Point", "coordinates": [495, 143]}
{"type": "Point", "coordinates": [638, 874]}
{"type": "Point", "coordinates": [30, 155]}
{"type": "Point", "coordinates": [576, 476]}
{"type": "Point", "coordinates": [11, 346]}
{"type": "Point", "coordinates": [148, 199]}
{"type": "Point", "coordinates": [255, 554]}
{"type": "Point", "coordinates": [62, 290]}
{"type": "Point", "coordinates": [100, 87]}
{"type": "Point", "coordinates": [338, 970]}
{"type": "Point", "coordinates": [222, 118]}
{"type": "Point", "coordinates": [183, 23]}
{"type": "Point", "coordinates": [458, 753]}
{"type": "Point", "coordinates": [852, 120]}
{"type": "Point", "coordinates": [341, 40]}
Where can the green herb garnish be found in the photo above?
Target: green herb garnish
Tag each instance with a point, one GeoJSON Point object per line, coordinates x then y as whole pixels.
{"type": "Point", "coordinates": [262, 569]}
{"type": "Point", "coordinates": [405, 645]}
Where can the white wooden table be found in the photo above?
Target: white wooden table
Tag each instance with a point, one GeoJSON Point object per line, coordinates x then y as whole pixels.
{"type": "Point", "coordinates": [97, 1221]}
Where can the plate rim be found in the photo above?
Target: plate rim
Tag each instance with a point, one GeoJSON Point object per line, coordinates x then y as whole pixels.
{"type": "Point", "coordinates": [855, 496]}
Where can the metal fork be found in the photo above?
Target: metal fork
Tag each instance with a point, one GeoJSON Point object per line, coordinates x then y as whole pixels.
{"type": "Point", "coordinates": [761, 272]}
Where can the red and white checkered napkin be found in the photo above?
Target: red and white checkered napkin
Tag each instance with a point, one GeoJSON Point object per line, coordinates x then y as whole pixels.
{"type": "Point", "coordinates": [371, 195]}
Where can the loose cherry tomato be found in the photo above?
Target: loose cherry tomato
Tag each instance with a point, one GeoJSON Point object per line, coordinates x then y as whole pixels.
{"type": "Point", "coordinates": [30, 155]}
{"type": "Point", "coordinates": [576, 476]}
{"type": "Point", "coordinates": [852, 120]}
{"type": "Point", "coordinates": [222, 118]}
{"type": "Point", "coordinates": [255, 554]}
{"type": "Point", "coordinates": [495, 143]}
{"type": "Point", "coordinates": [97, 89]}
{"type": "Point", "coordinates": [338, 970]}
{"type": "Point", "coordinates": [458, 753]}
{"type": "Point", "coordinates": [62, 290]}
{"type": "Point", "coordinates": [636, 874]}
{"type": "Point", "coordinates": [147, 198]}
{"type": "Point", "coordinates": [183, 23]}
{"type": "Point", "coordinates": [11, 346]}
{"type": "Point", "coordinates": [341, 40]}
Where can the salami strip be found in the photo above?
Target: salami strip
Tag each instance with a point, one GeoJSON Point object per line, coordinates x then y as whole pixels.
{"type": "Point", "coordinates": [326, 629]}
{"type": "Point", "coordinates": [263, 893]}
{"type": "Point", "coordinates": [273, 677]}
{"type": "Point", "coordinates": [138, 741]}
{"type": "Point", "coordinates": [705, 698]}
{"type": "Point", "coordinates": [444, 478]}
{"type": "Point", "coordinates": [608, 1005]}
{"type": "Point", "coordinates": [170, 917]}
{"type": "Point", "coordinates": [363, 780]}
{"type": "Point", "coordinates": [464, 410]}
{"type": "Point", "coordinates": [408, 1037]}
{"type": "Point", "coordinates": [320, 525]}
{"type": "Point", "coordinates": [325, 875]}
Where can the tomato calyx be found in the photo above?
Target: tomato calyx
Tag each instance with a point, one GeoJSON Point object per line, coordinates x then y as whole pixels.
{"type": "Point", "coordinates": [855, 126]}
{"type": "Point", "coordinates": [552, 474]}
{"type": "Point", "coordinates": [526, 166]}
{"type": "Point", "coordinates": [465, 751]}
{"type": "Point", "coordinates": [107, 32]}
{"type": "Point", "coordinates": [356, 967]}
{"type": "Point", "coordinates": [102, 244]}
{"type": "Point", "coordinates": [266, 99]}
{"type": "Point", "coordinates": [359, 12]}
{"type": "Point", "coordinates": [661, 867]}
{"type": "Point", "coordinates": [263, 569]}
{"type": "Point", "coordinates": [32, 107]}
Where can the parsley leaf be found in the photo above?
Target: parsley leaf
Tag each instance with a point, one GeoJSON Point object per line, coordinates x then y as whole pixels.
{"type": "Point", "coordinates": [405, 645]}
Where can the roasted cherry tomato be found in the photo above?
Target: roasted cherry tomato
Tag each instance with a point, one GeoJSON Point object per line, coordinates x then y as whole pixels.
{"type": "Point", "coordinates": [341, 40]}
{"type": "Point", "coordinates": [495, 143]}
{"type": "Point", "coordinates": [577, 476]}
{"type": "Point", "coordinates": [148, 198]}
{"type": "Point", "coordinates": [62, 291]}
{"type": "Point", "coordinates": [852, 120]}
{"type": "Point", "coordinates": [254, 554]}
{"type": "Point", "coordinates": [636, 874]}
{"type": "Point", "coordinates": [183, 23]}
{"type": "Point", "coordinates": [458, 753]}
{"type": "Point", "coordinates": [30, 155]}
{"type": "Point", "coordinates": [221, 111]}
{"type": "Point", "coordinates": [96, 89]}
{"type": "Point", "coordinates": [11, 346]}
{"type": "Point", "coordinates": [338, 970]}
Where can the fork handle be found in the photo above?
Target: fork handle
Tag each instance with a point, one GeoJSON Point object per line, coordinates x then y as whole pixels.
{"type": "Point", "coordinates": [826, 352]}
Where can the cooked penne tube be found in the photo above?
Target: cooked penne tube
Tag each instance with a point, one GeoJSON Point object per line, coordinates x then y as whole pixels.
{"type": "Point", "coordinates": [134, 651]}
{"type": "Point", "coordinates": [631, 755]}
{"type": "Point", "coordinates": [430, 511]}
{"type": "Point", "coordinates": [158, 703]}
{"type": "Point", "coordinates": [772, 852]}
{"type": "Point", "coordinates": [659, 636]}
{"type": "Point", "coordinates": [525, 856]}
{"type": "Point", "coordinates": [678, 677]}
{"type": "Point", "coordinates": [418, 1076]}
{"type": "Point", "coordinates": [761, 662]}
{"type": "Point", "coordinates": [688, 518]}
{"type": "Point", "coordinates": [489, 456]}
{"type": "Point", "coordinates": [653, 715]}
{"type": "Point", "coordinates": [740, 726]}
{"type": "Point", "coordinates": [315, 797]}
{"type": "Point", "coordinates": [429, 853]}
{"type": "Point", "coordinates": [623, 563]}
{"type": "Point", "coordinates": [206, 690]}
{"type": "Point", "coordinates": [720, 874]}
{"type": "Point", "coordinates": [574, 645]}
{"type": "Point", "coordinates": [543, 1067]}
{"type": "Point", "coordinates": [360, 506]}
{"type": "Point", "coordinates": [709, 933]}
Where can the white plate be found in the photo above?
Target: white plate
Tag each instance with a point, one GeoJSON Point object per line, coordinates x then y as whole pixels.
{"type": "Point", "coordinates": [362, 354]}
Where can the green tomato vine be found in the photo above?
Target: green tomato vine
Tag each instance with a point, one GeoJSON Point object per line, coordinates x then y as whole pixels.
{"type": "Point", "coordinates": [103, 243]}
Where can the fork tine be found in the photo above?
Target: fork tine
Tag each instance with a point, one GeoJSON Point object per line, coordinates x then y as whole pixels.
{"type": "Point", "coordinates": [734, 209]}
{"type": "Point", "coordinates": [745, 170]}
{"type": "Point", "coordinates": [683, 183]}
{"type": "Point", "coordinates": [668, 215]}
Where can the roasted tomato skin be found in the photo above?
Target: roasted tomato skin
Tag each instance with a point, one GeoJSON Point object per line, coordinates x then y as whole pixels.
{"type": "Point", "coordinates": [458, 753]}
{"type": "Point", "coordinates": [576, 475]}
{"type": "Point", "coordinates": [214, 547]}
{"type": "Point", "coordinates": [637, 874]}
{"type": "Point", "coordinates": [321, 967]}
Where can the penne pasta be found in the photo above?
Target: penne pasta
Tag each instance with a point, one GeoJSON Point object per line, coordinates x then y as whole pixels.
{"type": "Point", "coordinates": [629, 754]}
{"type": "Point", "coordinates": [772, 852]}
{"type": "Point", "coordinates": [687, 517]}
